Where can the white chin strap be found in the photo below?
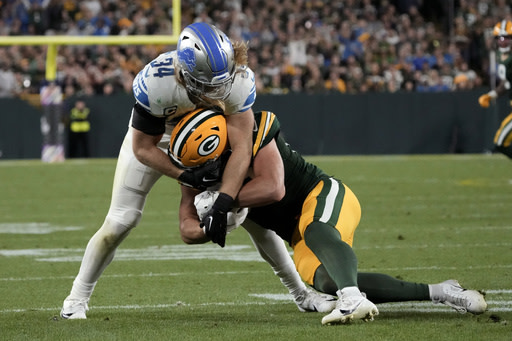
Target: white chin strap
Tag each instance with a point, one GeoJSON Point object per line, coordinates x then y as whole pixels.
{"type": "Point", "coordinates": [504, 49]}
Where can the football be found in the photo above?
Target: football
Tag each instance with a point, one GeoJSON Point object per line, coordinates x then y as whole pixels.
{"type": "Point", "coordinates": [204, 201]}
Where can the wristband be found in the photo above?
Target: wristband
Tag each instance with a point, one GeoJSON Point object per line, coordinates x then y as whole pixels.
{"type": "Point", "coordinates": [185, 177]}
{"type": "Point", "coordinates": [493, 94]}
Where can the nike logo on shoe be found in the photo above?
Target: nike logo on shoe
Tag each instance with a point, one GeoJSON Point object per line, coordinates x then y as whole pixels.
{"type": "Point", "coordinates": [346, 312]}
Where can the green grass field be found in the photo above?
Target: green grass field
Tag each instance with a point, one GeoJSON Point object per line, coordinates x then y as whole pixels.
{"type": "Point", "coordinates": [425, 218]}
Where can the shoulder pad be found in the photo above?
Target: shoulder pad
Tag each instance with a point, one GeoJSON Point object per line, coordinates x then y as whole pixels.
{"type": "Point", "coordinates": [243, 94]}
{"type": "Point", "coordinates": [266, 128]}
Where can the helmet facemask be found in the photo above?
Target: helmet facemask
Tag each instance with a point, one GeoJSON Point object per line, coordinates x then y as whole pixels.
{"type": "Point", "coordinates": [212, 90]}
{"type": "Point", "coordinates": [503, 34]}
{"type": "Point", "coordinates": [504, 43]}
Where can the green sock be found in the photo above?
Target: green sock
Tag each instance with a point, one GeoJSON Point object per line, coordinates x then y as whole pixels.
{"type": "Point", "coordinates": [323, 282]}
{"type": "Point", "coordinates": [379, 288]}
{"type": "Point", "coordinates": [337, 257]}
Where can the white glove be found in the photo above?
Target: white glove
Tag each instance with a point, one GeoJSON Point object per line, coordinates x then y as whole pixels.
{"type": "Point", "coordinates": [204, 201]}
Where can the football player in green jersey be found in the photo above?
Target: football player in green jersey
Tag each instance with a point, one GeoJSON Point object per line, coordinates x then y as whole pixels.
{"type": "Point", "coordinates": [503, 35]}
{"type": "Point", "coordinates": [317, 215]}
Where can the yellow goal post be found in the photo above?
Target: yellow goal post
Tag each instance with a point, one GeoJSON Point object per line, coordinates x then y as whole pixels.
{"type": "Point", "coordinates": [53, 42]}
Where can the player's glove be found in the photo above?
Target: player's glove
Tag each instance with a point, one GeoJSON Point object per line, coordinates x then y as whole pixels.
{"type": "Point", "coordinates": [214, 223]}
{"type": "Point", "coordinates": [204, 202]}
{"type": "Point", "coordinates": [205, 176]}
{"type": "Point", "coordinates": [485, 99]}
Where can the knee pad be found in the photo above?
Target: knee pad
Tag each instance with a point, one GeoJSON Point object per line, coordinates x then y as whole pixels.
{"type": "Point", "coordinates": [112, 233]}
{"type": "Point", "coordinates": [128, 218]}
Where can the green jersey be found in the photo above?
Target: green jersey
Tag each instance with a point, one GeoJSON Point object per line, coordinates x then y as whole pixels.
{"type": "Point", "coordinates": [505, 71]}
{"type": "Point", "coordinates": [503, 136]}
{"type": "Point", "coordinates": [300, 178]}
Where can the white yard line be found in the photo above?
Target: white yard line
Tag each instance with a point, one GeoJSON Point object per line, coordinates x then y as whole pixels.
{"type": "Point", "coordinates": [271, 299]}
{"type": "Point", "coordinates": [222, 273]}
{"type": "Point", "coordinates": [245, 253]}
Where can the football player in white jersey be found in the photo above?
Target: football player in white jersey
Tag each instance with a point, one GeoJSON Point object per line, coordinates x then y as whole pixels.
{"type": "Point", "coordinates": [205, 70]}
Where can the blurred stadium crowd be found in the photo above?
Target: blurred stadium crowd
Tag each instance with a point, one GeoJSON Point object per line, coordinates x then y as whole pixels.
{"type": "Point", "coordinates": [350, 46]}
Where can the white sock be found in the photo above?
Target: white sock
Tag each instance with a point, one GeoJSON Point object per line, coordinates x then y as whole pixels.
{"type": "Point", "coordinates": [434, 290]}
{"type": "Point", "coordinates": [290, 279]}
{"type": "Point", "coordinates": [349, 291]}
{"type": "Point", "coordinates": [81, 290]}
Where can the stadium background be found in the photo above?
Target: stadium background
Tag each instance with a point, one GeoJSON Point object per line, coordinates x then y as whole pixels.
{"type": "Point", "coordinates": [345, 77]}
{"type": "Point", "coordinates": [425, 217]}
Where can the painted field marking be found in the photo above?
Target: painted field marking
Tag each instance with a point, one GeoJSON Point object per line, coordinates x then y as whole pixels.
{"type": "Point", "coordinates": [460, 229]}
{"type": "Point", "coordinates": [148, 275]}
{"type": "Point", "coordinates": [34, 228]}
{"type": "Point", "coordinates": [236, 273]}
{"type": "Point", "coordinates": [241, 253]}
{"type": "Point", "coordinates": [271, 299]}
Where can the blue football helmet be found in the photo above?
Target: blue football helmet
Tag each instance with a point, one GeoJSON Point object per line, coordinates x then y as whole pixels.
{"type": "Point", "coordinates": [207, 61]}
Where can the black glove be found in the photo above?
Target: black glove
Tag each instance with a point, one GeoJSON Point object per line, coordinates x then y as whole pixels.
{"type": "Point", "coordinates": [202, 177]}
{"type": "Point", "coordinates": [214, 223]}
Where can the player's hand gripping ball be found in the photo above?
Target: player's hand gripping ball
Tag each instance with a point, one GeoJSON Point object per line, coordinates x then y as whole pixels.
{"type": "Point", "coordinates": [204, 202]}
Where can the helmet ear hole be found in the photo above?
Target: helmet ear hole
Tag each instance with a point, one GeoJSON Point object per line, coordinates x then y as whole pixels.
{"type": "Point", "coordinates": [198, 137]}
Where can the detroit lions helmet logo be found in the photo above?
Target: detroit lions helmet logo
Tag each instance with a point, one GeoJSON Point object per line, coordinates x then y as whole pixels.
{"type": "Point", "coordinates": [188, 58]}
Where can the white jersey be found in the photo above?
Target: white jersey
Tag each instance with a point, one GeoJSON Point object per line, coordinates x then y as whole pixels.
{"type": "Point", "coordinates": [157, 90]}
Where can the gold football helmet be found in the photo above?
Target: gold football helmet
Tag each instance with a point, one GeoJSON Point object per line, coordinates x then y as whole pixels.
{"type": "Point", "coordinates": [503, 34]}
{"type": "Point", "coordinates": [199, 136]}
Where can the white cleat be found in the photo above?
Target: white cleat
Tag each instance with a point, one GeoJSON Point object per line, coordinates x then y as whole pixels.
{"type": "Point", "coordinates": [74, 309]}
{"type": "Point", "coordinates": [349, 308]}
{"type": "Point", "coordinates": [310, 300]}
{"type": "Point", "coordinates": [453, 295]}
